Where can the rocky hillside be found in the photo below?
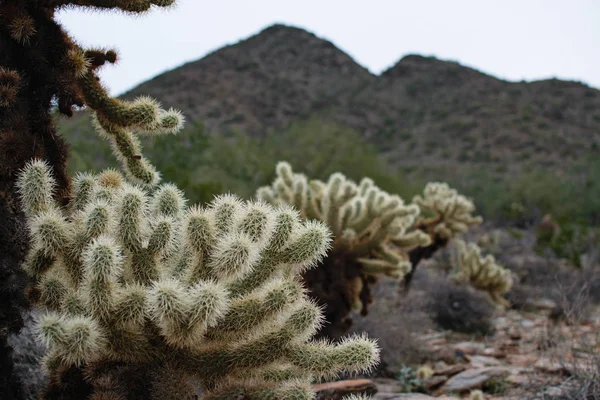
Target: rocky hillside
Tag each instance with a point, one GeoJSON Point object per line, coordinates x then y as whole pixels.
{"type": "Point", "coordinates": [421, 111]}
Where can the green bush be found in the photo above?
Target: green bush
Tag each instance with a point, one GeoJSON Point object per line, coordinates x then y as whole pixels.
{"type": "Point", "coordinates": [204, 165]}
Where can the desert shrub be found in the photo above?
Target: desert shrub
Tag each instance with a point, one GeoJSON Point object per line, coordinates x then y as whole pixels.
{"type": "Point", "coordinates": [573, 291]}
{"type": "Point", "coordinates": [458, 308]}
{"type": "Point", "coordinates": [409, 380]}
{"type": "Point", "coordinates": [397, 322]}
{"type": "Point", "coordinates": [570, 242]}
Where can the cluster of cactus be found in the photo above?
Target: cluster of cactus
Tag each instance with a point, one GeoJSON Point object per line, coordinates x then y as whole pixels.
{"type": "Point", "coordinates": [370, 237]}
{"type": "Point", "coordinates": [445, 214]}
{"type": "Point", "coordinates": [134, 278]}
{"type": "Point", "coordinates": [483, 273]}
{"type": "Point", "coordinates": [444, 211]}
{"type": "Point", "coordinates": [375, 233]}
{"type": "Point", "coordinates": [367, 222]}
{"type": "Point", "coordinates": [42, 69]}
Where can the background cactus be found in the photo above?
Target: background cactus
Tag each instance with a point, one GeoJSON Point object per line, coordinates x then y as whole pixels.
{"type": "Point", "coordinates": [42, 70]}
{"type": "Point", "coordinates": [374, 233]}
{"type": "Point", "coordinates": [444, 214]}
{"type": "Point", "coordinates": [147, 295]}
{"type": "Point", "coordinates": [483, 273]}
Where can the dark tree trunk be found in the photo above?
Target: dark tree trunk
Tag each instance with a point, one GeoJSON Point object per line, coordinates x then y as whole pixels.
{"type": "Point", "coordinates": [26, 132]}
{"type": "Point", "coordinates": [421, 253]}
{"type": "Point", "coordinates": [333, 285]}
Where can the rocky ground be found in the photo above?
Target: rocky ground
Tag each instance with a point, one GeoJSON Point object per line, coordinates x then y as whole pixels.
{"type": "Point", "coordinates": [529, 356]}
{"type": "Point", "coordinates": [546, 346]}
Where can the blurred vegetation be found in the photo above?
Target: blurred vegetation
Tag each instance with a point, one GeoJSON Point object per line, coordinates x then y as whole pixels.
{"type": "Point", "coordinates": [570, 242]}
{"type": "Point", "coordinates": [572, 197]}
{"type": "Point", "coordinates": [204, 165]}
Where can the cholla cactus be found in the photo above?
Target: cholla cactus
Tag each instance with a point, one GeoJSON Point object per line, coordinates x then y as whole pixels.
{"type": "Point", "coordinates": [372, 236]}
{"type": "Point", "coordinates": [139, 285]}
{"type": "Point", "coordinates": [42, 69]}
{"type": "Point", "coordinates": [444, 214]}
{"type": "Point", "coordinates": [366, 221]}
{"type": "Point", "coordinates": [483, 273]}
{"type": "Point", "coordinates": [450, 212]}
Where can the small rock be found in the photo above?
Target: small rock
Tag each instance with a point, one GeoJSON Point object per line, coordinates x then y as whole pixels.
{"type": "Point", "coordinates": [501, 323]}
{"type": "Point", "coordinates": [433, 335]}
{"type": "Point", "coordinates": [473, 378]}
{"type": "Point", "coordinates": [403, 396]}
{"type": "Point", "coordinates": [339, 389]}
{"type": "Point", "coordinates": [387, 385]}
{"type": "Point", "coordinates": [450, 370]}
{"type": "Point", "coordinates": [439, 365]}
{"type": "Point", "coordinates": [518, 379]}
{"type": "Point", "coordinates": [483, 361]}
{"type": "Point", "coordinates": [493, 352]}
{"type": "Point", "coordinates": [438, 341]}
{"type": "Point", "coordinates": [469, 347]}
{"type": "Point", "coordinates": [447, 355]}
{"type": "Point", "coordinates": [552, 367]}
{"type": "Point", "coordinates": [522, 360]}
{"type": "Point", "coordinates": [435, 382]}
{"type": "Point", "coordinates": [515, 335]}
{"type": "Point", "coordinates": [527, 324]}
{"type": "Point", "coordinates": [542, 304]}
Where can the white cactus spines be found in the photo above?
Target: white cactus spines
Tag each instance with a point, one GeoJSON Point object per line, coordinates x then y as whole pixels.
{"type": "Point", "coordinates": [483, 273]}
{"type": "Point", "coordinates": [358, 397]}
{"type": "Point", "coordinates": [368, 223]}
{"type": "Point", "coordinates": [115, 120]}
{"type": "Point", "coordinates": [210, 293]}
{"type": "Point", "coordinates": [451, 212]}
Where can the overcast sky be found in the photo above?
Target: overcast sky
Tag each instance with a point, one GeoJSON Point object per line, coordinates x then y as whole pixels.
{"type": "Point", "coordinates": [510, 39]}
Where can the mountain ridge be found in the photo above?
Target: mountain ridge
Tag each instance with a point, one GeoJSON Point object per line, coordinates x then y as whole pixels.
{"type": "Point", "coordinates": [421, 110]}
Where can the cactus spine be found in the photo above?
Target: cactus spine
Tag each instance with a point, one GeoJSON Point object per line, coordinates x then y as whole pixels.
{"type": "Point", "coordinates": [136, 278]}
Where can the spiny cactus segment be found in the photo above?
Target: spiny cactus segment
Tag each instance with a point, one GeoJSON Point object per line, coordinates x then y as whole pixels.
{"type": "Point", "coordinates": [483, 273]}
{"type": "Point", "coordinates": [131, 278]}
{"type": "Point", "coordinates": [358, 397]}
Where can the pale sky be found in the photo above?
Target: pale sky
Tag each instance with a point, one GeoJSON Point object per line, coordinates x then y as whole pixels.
{"type": "Point", "coordinates": [510, 39]}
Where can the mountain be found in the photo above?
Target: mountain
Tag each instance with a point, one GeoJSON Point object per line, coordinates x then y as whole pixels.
{"type": "Point", "coordinates": [279, 75]}
{"type": "Point", "coordinates": [420, 112]}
